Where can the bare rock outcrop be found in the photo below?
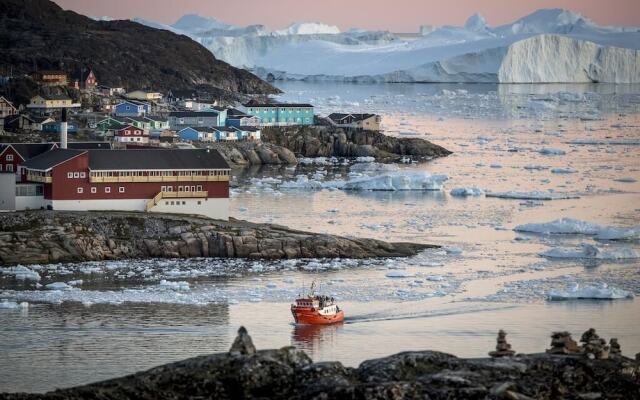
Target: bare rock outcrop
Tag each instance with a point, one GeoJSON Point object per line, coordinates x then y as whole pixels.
{"type": "Point", "coordinates": [35, 237]}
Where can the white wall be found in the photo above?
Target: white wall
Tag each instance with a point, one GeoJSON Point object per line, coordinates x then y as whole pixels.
{"type": "Point", "coordinates": [7, 191]}
{"type": "Point", "coordinates": [212, 208]}
{"type": "Point", "coordinates": [30, 202]}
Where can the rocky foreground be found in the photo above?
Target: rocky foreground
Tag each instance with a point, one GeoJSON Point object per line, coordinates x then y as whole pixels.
{"type": "Point", "coordinates": [37, 237]}
{"type": "Point", "coordinates": [287, 373]}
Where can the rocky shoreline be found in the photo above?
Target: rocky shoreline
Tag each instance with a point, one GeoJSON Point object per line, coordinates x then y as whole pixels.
{"type": "Point", "coordinates": [330, 141]}
{"type": "Point", "coordinates": [288, 373]}
{"type": "Point", "coordinates": [283, 146]}
{"type": "Point", "coordinates": [39, 237]}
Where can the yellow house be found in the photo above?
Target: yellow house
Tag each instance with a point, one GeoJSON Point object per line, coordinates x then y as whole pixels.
{"type": "Point", "coordinates": [142, 95]}
{"type": "Point", "coordinates": [51, 102]}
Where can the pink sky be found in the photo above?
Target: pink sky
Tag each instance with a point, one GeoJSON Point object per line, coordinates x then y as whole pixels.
{"type": "Point", "coordinates": [393, 15]}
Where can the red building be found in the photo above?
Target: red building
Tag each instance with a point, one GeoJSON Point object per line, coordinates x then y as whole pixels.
{"type": "Point", "coordinates": [83, 78]}
{"type": "Point", "coordinates": [131, 134]}
{"type": "Point", "coordinates": [156, 180]}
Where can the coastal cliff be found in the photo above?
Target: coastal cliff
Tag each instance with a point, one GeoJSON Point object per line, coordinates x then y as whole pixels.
{"type": "Point", "coordinates": [37, 237]}
{"type": "Point", "coordinates": [288, 373]}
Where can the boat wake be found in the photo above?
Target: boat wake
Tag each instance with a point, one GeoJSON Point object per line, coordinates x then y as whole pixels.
{"type": "Point", "coordinates": [389, 316]}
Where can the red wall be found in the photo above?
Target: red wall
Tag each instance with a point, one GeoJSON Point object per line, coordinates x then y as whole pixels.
{"type": "Point", "coordinates": [17, 160]}
{"type": "Point", "coordinates": [64, 188]}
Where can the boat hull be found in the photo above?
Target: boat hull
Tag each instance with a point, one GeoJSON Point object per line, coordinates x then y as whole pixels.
{"type": "Point", "coordinates": [313, 317]}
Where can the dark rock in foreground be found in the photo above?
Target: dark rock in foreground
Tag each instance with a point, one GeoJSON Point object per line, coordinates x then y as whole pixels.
{"type": "Point", "coordinates": [36, 237]}
{"type": "Point", "coordinates": [329, 141]}
{"type": "Point", "coordinates": [288, 373]}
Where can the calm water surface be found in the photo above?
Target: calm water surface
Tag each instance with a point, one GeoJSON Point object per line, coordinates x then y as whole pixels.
{"type": "Point", "coordinates": [119, 320]}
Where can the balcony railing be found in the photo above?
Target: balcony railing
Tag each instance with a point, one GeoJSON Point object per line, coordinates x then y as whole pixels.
{"type": "Point", "coordinates": [125, 179]}
{"type": "Point", "coordinates": [175, 195]}
{"type": "Point", "coordinates": [38, 178]}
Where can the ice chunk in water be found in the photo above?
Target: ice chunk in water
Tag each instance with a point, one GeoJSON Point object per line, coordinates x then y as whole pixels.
{"type": "Point", "coordinates": [466, 191]}
{"type": "Point", "coordinates": [174, 285]}
{"type": "Point", "coordinates": [588, 251]}
{"type": "Point", "coordinates": [589, 292]}
{"type": "Point", "coordinates": [57, 286]}
{"type": "Point", "coordinates": [398, 274]}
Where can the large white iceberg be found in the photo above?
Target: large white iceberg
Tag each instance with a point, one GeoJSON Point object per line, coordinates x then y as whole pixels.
{"type": "Point", "coordinates": [551, 45]}
{"type": "Point", "coordinates": [601, 292]}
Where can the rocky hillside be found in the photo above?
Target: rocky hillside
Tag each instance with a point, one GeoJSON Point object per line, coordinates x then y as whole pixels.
{"type": "Point", "coordinates": [38, 33]}
{"type": "Point", "coordinates": [254, 153]}
{"type": "Point", "coordinates": [327, 141]}
{"type": "Point", "coordinates": [287, 373]}
{"type": "Point", "coordinates": [37, 237]}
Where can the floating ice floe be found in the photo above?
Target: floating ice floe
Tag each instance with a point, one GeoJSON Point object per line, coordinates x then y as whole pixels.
{"type": "Point", "coordinates": [398, 274]}
{"type": "Point", "coordinates": [602, 292]}
{"type": "Point", "coordinates": [563, 170]}
{"type": "Point", "coordinates": [619, 142]}
{"type": "Point", "coordinates": [626, 179]}
{"type": "Point", "coordinates": [533, 195]}
{"type": "Point", "coordinates": [365, 159]}
{"type": "Point", "coordinates": [548, 151]}
{"type": "Point", "coordinates": [21, 273]}
{"type": "Point", "coordinates": [453, 250]}
{"type": "Point", "coordinates": [386, 182]}
{"type": "Point", "coordinates": [57, 286]}
{"type": "Point", "coordinates": [174, 285]}
{"type": "Point", "coordinates": [466, 191]}
{"type": "Point", "coordinates": [7, 304]}
{"type": "Point", "coordinates": [591, 252]}
{"type": "Point", "coordinates": [571, 226]}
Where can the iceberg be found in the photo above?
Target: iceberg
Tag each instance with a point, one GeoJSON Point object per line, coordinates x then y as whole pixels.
{"type": "Point", "coordinates": [591, 252]}
{"type": "Point", "coordinates": [601, 292]}
{"type": "Point", "coordinates": [21, 273]}
{"type": "Point", "coordinates": [571, 226]}
{"type": "Point", "coordinates": [533, 195]}
{"type": "Point", "coordinates": [552, 45]}
{"type": "Point", "coordinates": [466, 191]}
{"type": "Point", "coordinates": [8, 305]}
{"type": "Point", "coordinates": [419, 181]}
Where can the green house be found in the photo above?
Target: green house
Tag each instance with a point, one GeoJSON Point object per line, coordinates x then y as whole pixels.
{"type": "Point", "coordinates": [157, 123]}
{"type": "Point", "coordinates": [280, 114]}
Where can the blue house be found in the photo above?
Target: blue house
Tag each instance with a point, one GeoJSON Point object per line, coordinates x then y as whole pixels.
{"type": "Point", "coordinates": [54, 127]}
{"type": "Point", "coordinates": [181, 119]}
{"type": "Point", "coordinates": [281, 114]}
{"type": "Point", "coordinates": [197, 134]}
{"type": "Point", "coordinates": [132, 108]}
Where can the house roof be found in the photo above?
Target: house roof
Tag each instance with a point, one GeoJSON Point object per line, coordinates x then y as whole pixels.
{"type": "Point", "coordinates": [50, 159]}
{"type": "Point", "coordinates": [49, 72]}
{"type": "Point", "coordinates": [28, 150]}
{"type": "Point", "coordinates": [150, 159]}
{"type": "Point", "coordinates": [247, 128]}
{"type": "Point", "coordinates": [55, 97]}
{"type": "Point", "coordinates": [2, 98]}
{"type": "Point", "coordinates": [224, 129]}
{"type": "Point", "coordinates": [88, 145]}
{"type": "Point", "coordinates": [183, 114]}
{"type": "Point", "coordinates": [253, 103]}
{"type": "Point", "coordinates": [337, 117]}
{"type": "Point", "coordinates": [155, 118]}
{"type": "Point", "coordinates": [199, 128]}
{"type": "Point", "coordinates": [138, 119]}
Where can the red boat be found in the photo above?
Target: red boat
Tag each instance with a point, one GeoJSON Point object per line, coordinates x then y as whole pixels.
{"type": "Point", "coordinates": [316, 310]}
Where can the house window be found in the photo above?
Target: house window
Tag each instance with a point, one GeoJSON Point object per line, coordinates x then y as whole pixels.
{"type": "Point", "coordinates": [186, 188]}
{"type": "Point", "coordinates": [172, 203]}
{"type": "Point", "coordinates": [169, 188]}
{"type": "Point", "coordinates": [199, 188]}
{"type": "Point", "coordinates": [69, 175]}
{"type": "Point", "coordinates": [79, 190]}
{"type": "Point", "coordinates": [184, 202]}
{"type": "Point", "coordinates": [94, 190]}
{"type": "Point", "coordinates": [83, 175]}
{"type": "Point", "coordinates": [76, 174]}
{"type": "Point", "coordinates": [199, 202]}
{"type": "Point", "coordinates": [128, 108]}
{"type": "Point", "coordinates": [121, 189]}
{"type": "Point", "coordinates": [107, 189]}
{"type": "Point", "coordinates": [163, 189]}
{"type": "Point", "coordinates": [9, 157]}
{"type": "Point", "coordinates": [180, 188]}
{"type": "Point", "coordinates": [9, 168]}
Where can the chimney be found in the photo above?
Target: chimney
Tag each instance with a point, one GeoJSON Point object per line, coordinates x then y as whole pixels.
{"type": "Point", "coordinates": [63, 129]}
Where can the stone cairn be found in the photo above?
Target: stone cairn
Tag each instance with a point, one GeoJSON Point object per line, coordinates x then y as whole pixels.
{"type": "Point", "coordinates": [503, 349]}
{"type": "Point", "coordinates": [614, 347]}
{"type": "Point", "coordinates": [562, 343]}
{"type": "Point", "coordinates": [593, 346]}
{"type": "Point", "coordinates": [243, 345]}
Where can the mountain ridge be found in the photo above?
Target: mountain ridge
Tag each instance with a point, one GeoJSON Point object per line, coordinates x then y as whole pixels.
{"type": "Point", "coordinates": [38, 34]}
